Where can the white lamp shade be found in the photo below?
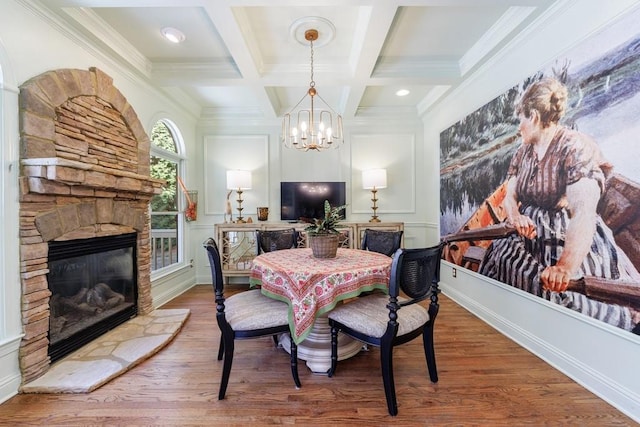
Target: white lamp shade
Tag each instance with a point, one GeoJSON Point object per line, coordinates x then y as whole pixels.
{"type": "Point", "coordinates": [237, 179]}
{"type": "Point", "coordinates": [374, 178]}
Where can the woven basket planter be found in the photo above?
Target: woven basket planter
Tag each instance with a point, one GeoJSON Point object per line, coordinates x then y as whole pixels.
{"type": "Point", "coordinates": [325, 246]}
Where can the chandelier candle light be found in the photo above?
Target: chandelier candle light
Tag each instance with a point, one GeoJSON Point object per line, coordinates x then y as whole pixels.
{"type": "Point", "coordinates": [310, 128]}
{"type": "Point", "coordinates": [239, 181]}
{"type": "Point", "coordinates": [373, 180]}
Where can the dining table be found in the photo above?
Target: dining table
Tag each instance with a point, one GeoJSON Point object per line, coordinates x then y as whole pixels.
{"type": "Point", "coordinates": [314, 286]}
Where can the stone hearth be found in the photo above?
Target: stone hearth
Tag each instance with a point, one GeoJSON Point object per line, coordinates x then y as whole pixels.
{"type": "Point", "coordinates": [85, 173]}
{"type": "Point", "coordinates": [111, 354]}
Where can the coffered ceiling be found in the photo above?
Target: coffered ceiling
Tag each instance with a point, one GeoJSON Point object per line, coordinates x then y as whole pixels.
{"type": "Point", "coordinates": [242, 57]}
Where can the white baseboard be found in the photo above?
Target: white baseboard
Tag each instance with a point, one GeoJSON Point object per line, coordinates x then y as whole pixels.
{"type": "Point", "coordinates": [10, 375]}
{"type": "Point", "coordinates": [162, 294]}
{"type": "Point", "coordinates": [527, 331]}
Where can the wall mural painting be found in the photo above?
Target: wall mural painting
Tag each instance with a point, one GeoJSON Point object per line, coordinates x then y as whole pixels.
{"type": "Point", "coordinates": [540, 188]}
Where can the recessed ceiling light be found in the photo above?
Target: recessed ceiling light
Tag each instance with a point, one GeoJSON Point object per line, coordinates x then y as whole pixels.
{"type": "Point", "coordinates": [173, 35]}
{"type": "Point", "coordinates": [402, 92]}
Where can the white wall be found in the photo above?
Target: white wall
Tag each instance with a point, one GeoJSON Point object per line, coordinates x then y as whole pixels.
{"type": "Point", "coordinates": [33, 42]}
{"type": "Point", "coordinates": [10, 325]}
{"type": "Point", "coordinates": [602, 358]}
{"type": "Point", "coordinates": [394, 143]}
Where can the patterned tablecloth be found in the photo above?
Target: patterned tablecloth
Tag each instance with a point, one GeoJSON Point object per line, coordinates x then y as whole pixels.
{"type": "Point", "coordinates": [313, 286]}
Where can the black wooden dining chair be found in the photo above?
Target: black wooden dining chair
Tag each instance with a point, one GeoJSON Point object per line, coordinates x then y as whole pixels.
{"type": "Point", "coordinates": [382, 241]}
{"type": "Point", "coordinates": [247, 314]}
{"type": "Point", "coordinates": [387, 321]}
{"type": "Point", "coordinates": [275, 240]}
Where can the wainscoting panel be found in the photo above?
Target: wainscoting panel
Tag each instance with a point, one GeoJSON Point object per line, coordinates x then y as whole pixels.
{"type": "Point", "coordinates": [394, 152]}
{"type": "Point", "coordinates": [243, 152]}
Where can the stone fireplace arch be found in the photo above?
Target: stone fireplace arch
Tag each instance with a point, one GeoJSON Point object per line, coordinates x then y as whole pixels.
{"type": "Point", "coordinates": [84, 173]}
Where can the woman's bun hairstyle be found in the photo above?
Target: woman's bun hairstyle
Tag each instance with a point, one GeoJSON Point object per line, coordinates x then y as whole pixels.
{"type": "Point", "coordinates": [548, 97]}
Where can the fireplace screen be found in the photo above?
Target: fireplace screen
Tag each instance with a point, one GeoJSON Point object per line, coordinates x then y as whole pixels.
{"type": "Point", "coordinates": [93, 284]}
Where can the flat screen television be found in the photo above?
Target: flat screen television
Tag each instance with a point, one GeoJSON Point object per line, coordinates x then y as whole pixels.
{"type": "Point", "coordinates": [306, 199]}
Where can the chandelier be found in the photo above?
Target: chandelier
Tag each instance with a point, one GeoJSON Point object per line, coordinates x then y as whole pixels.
{"type": "Point", "coordinates": [312, 128]}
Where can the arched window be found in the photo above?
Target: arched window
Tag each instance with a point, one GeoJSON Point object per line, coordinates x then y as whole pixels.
{"type": "Point", "coordinates": [167, 239]}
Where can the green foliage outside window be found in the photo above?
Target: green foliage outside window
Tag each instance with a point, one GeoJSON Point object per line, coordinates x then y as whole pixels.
{"type": "Point", "coordinates": [167, 170]}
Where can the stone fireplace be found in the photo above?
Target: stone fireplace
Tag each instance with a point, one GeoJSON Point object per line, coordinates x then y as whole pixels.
{"type": "Point", "coordinates": [84, 175]}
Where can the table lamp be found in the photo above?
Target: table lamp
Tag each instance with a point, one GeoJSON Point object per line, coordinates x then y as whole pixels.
{"type": "Point", "coordinates": [374, 179]}
{"type": "Point", "coordinates": [239, 181]}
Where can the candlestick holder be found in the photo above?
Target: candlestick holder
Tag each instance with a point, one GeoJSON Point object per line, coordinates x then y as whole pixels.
{"type": "Point", "coordinates": [373, 180]}
{"type": "Point", "coordinates": [239, 218]}
{"type": "Point", "coordinates": [239, 181]}
{"type": "Point", "coordinates": [374, 218]}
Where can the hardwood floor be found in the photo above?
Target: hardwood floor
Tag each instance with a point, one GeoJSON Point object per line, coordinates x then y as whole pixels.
{"type": "Point", "coordinates": [485, 379]}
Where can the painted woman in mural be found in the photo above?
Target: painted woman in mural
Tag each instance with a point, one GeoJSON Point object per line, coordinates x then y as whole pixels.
{"type": "Point", "coordinates": [554, 183]}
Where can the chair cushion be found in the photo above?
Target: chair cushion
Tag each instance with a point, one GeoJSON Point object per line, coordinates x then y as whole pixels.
{"type": "Point", "coordinates": [251, 310]}
{"type": "Point", "coordinates": [369, 315]}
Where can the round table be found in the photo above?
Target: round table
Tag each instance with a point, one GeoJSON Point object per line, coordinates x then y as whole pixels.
{"type": "Point", "coordinates": [314, 286]}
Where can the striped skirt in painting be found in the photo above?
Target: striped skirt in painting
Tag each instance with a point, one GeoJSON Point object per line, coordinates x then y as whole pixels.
{"type": "Point", "coordinates": [518, 262]}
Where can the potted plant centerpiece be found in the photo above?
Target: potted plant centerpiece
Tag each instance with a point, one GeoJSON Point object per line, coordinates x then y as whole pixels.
{"type": "Point", "coordinates": [324, 234]}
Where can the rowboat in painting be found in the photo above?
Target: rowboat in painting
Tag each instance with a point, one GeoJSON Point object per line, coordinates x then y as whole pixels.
{"type": "Point", "coordinates": [618, 208]}
{"type": "Point", "coordinates": [467, 249]}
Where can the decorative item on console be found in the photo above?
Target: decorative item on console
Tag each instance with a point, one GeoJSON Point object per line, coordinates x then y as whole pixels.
{"type": "Point", "coordinates": [227, 208]}
{"type": "Point", "coordinates": [263, 213]}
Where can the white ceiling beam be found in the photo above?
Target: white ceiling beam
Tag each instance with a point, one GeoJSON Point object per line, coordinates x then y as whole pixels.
{"type": "Point", "coordinates": [244, 52]}
{"type": "Point", "coordinates": [371, 30]}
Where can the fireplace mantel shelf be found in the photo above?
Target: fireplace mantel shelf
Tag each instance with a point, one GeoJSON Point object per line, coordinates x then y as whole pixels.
{"type": "Point", "coordinates": [70, 172]}
{"type": "Point", "coordinates": [58, 161]}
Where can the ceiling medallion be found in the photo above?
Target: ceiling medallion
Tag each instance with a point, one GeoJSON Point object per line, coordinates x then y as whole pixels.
{"type": "Point", "coordinates": [308, 127]}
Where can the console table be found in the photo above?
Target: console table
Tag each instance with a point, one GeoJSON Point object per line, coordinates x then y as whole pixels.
{"type": "Point", "coordinates": [237, 242]}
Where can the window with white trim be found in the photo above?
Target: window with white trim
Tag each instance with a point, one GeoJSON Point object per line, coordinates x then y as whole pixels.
{"type": "Point", "coordinates": [167, 240]}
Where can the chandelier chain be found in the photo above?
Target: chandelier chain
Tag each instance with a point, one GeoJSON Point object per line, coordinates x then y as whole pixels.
{"type": "Point", "coordinates": [311, 83]}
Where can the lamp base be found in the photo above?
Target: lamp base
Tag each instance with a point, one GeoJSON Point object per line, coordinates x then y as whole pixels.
{"type": "Point", "coordinates": [374, 199]}
{"type": "Point", "coordinates": [239, 218]}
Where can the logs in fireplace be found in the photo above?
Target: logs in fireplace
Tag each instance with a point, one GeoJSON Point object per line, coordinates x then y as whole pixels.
{"type": "Point", "coordinates": [93, 284]}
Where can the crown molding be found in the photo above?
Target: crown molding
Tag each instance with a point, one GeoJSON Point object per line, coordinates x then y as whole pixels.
{"type": "Point", "coordinates": [513, 17]}
{"type": "Point", "coordinates": [425, 68]}
{"type": "Point", "coordinates": [171, 73]}
{"type": "Point", "coordinates": [105, 35]}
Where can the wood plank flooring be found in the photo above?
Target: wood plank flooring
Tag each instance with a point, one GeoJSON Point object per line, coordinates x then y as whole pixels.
{"type": "Point", "coordinates": [485, 379]}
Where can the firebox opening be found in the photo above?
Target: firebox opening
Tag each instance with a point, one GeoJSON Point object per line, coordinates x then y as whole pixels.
{"type": "Point", "coordinates": [93, 284]}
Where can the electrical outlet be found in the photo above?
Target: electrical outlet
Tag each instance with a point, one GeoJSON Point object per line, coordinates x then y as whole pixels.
{"type": "Point", "coordinates": [454, 272]}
